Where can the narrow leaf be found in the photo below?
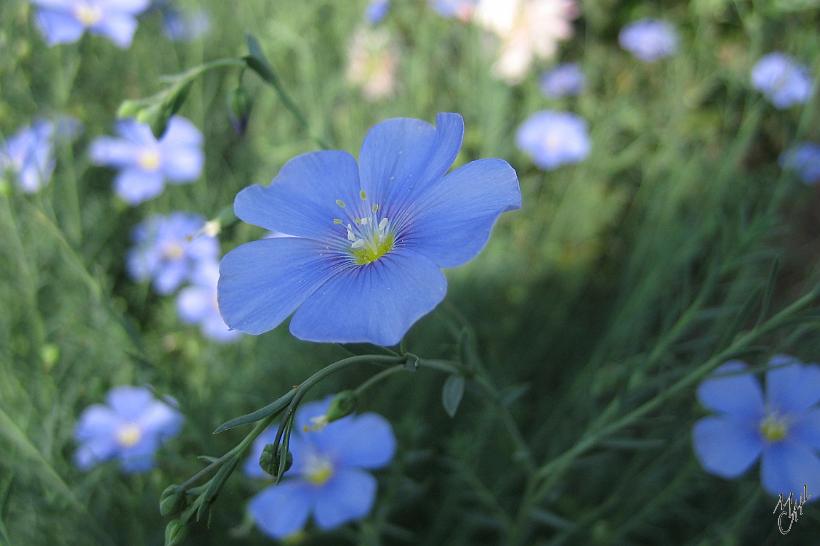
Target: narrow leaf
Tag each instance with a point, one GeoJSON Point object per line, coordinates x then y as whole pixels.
{"type": "Point", "coordinates": [452, 393]}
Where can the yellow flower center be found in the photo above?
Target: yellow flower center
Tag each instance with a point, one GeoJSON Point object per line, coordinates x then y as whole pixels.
{"type": "Point", "coordinates": [319, 470]}
{"type": "Point", "coordinates": [173, 251]}
{"type": "Point", "coordinates": [149, 160]}
{"type": "Point", "coordinates": [773, 429]}
{"type": "Point", "coordinates": [87, 14]}
{"type": "Point", "coordinates": [129, 435]}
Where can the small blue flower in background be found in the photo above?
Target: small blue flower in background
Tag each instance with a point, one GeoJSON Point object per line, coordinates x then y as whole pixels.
{"type": "Point", "coordinates": [783, 430]}
{"type": "Point", "coordinates": [328, 478]}
{"type": "Point", "coordinates": [564, 80]}
{"type": "Point", "coordinates": [377, 10]}
{"type": "Point", "coordinates": [368, 240]}
{"type": "Point", "coordinates": [196, 304]}
{"type": "Point", "coordinates": [145, 163]}
{"type": "Point", "coordinates": [554, 138]}
{"type": "Point", "coordinates": [462, 9]}
{"type": "Point", "coordinates": [649, 39]}
{"type": "Point", "coordinates": [782, 80]}
{"type": "Point", "coordinates": [804, 159]}
{"type": "Point", "coordinates": [184, 26]}
{"type": "Point", "coordinates": [29, 154]}
{"type": "Point", "coordinates": [130, 427]}
{"type": "Point", "coordinates": [167, 252]}
{"type": "Point", "coordinates": [65, 21]}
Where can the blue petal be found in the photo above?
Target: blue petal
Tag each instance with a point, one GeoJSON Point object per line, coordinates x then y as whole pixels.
{"type": "Point", "coordinates": [139, 457]}
{"type": "Point", "coordinates": [788, 466]}
{"type": "Point", "coordinates": [302, 199]}
{"type": "Point", "coordinates": [806, 429]}
{"type": "Point", "coordinates": [262, 282]}
{"type": "Point", "coordinates": [134, 186]}
{"type": "Point", "coordinates": [282, 510]}
{"type": "Point", "coordinates": [376, 303]}
{"type": "Point", "coordinates": [136, 132]}
{"type": "Point", "coordinates": [193, 303]}
{"type": "Point", "coordinates": [129, 402]}
{"type": "Point", "coordinates": [454, 219]}
{"type": "Point", "coordinates": [96, 421]}
{"type": "Point", "coordinates": [170, 275]}
{"type": "Point", "coordinates": [726, 446]}
{"type": "Point", "coordinates": [59, 27]}
{"type": "Point", "coordinates": [792, 387]}
{"type": "Point", "coordinates": [181, 152]}
{"type": "Point", "coordinates": [128, 6]}
{"type": "Point", "coordinates": [117, 27]}
{"type": "Point", "coordinates": [403, 158]}
{"type": "Point", "coordinates": [115, 152]}
{"type": "Point", "coordinates": [737, 395]}
{"type": "Point", "coordinates": [93, 452]}
{"type": "Point", "coordinates": [361, 441]}
{"type": "Point", "coordinates": [348, 496]}
{"type": "Point", "coordinates": [160, 420]}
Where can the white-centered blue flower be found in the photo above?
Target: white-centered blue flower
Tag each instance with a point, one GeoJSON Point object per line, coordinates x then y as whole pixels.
{"type": "Point", "coordinates": [65, 21]}
{"type": "Point", "coordinates": [804, 159]}
{"type": "Point", "coordinates": [649, 39]}
{"type": "Point", "coordinates": [29, 153]}
{"type": "Point", "coordinates": [783, 81]}
{"type": "Point", "coordinates": [554, 139]}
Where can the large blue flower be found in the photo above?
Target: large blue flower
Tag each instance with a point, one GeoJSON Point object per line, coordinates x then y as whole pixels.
{"type": "Point", "coordinates": [328, 478]}
{"type": "Point", "coordinates": [804, 159]}
{"type": "Point", "coordinates": [168, 250]}
{"type": "Point", "coordinates": [65, 21]}
{"type": "Point", "coordinates": [554, 139]}
{"type": "Point", "coordinates": [649, 39]}
{"type": "Point", "coordinates": [783, 80]}
{"type": "Point", "coordinates": [130, 427]}
{"type": "Point", "coordinates": [783, 430]}
{"type": "Point", "coordinates": [368, 241]}
{"type": "Point", "coordinates": [145, 163]}
{"type": "Point", "coordinates": [29, 153]}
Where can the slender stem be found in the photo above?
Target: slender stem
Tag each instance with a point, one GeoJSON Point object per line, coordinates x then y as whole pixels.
{"type": "Point", "coordinates": [378, 378]}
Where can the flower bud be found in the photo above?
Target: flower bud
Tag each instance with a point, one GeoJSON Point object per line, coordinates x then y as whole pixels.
{"type": "Point", "coordinates": [269, 460]}
{"type": "Point", "coordinates": [129, 109]}
{"type": "Point", "coordinates": [171, 501]}
{"type": "Point", "coordinates": [175, 532]}
{"type": "Point", "coordinates": [342, 405]}
{"type": "Point", "coordinates": [239, 109]}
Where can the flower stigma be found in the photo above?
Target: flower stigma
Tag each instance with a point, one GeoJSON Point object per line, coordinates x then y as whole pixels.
{"type": "Point", "coordinates": [128, 435]}
{"type": "Point", "coordinates": [773, 429]}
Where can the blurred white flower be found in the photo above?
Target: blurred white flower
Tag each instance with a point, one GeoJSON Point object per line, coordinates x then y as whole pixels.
{"type": "Point", "coordinates": [372, 62]}
{"type": "Point", "coordinates": [528, 29]}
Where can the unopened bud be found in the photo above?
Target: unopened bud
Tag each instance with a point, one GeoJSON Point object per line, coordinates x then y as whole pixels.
{"type": "Point", "coordinates": [175, 532]}
{"type": "Point", "coordinates": [342, 405]}
{"type": "Point", "coordinates": [239, 109]}
{"type": "Point", "coordinates": [171, 501]}
{"type": "Point", "coordinates": [269, 460]}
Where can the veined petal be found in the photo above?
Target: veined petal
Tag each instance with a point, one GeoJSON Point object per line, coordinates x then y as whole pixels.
{"type": "Point", "coordinates": [792, 387]}
{"type": "Point", "coordinates": [365, 441]}
{"type": "Point", "coordinates": [135, 186]}
{"type": "Point", "coordinates": [348, 496]}
{"type": "Point", "coordinates": [788, 466]}
{"type": "Point", "coordinates": [117, 27]}
{"type": "Point", "coordinates": [59, 27]}
{"type": "Point", "coordinates": [262, 282]}
{"type": "Point", "coordinates": [806, 429]}
{"type": "Point", "coordinates": [452, 222]}
{"type": "Point", "coordinates": [283, 509]}
{"type": "Point", "coordinates": [376, 303]}
{"type": "Point", "coordinates": [403, 158]}
{"type": "Point", "coordinates": [725, 446]}
{"type": "Point", "coordinates": [309, 192]}
{"type": "Point", "coordinates": [736, 395]}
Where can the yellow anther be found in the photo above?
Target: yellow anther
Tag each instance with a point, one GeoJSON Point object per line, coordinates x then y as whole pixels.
{"type": "Point", "coordinates": [363, 195]}
{"type": "Point", "coordinates": [337, 221]}
{"type": "Point", "coordinates": [340, 203]}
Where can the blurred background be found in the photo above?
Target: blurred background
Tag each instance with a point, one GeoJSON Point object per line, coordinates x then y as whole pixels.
{"type": "Point", "coordinates": [625, 269]}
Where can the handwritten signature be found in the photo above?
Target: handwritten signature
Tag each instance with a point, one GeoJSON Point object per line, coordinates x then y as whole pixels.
{"type": "Point", "coordinates": [790, 509]}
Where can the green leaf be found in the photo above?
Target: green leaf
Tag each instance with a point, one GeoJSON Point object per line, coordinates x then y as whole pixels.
{"type": "Point", "coordinates": [452, 393]}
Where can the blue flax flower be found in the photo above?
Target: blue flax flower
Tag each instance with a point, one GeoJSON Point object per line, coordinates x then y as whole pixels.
{"type": "Point", "coordinates": [377, 10]}
{"type": "Point", "coordinates": [783, 430]}
{"type": "Point", "coordinates": [167, 251]}
{"type": "Point", "coordinates": [184, 26]}
{"type": "Point", "coordinates": [129, 428]}
{"type": "Point", "coordinates": [145, 163]}
{"type": "Point", "coordinates": [29, 154]}
{"type": "Point", "coordinates": [196, 304]}
{"type": "Point", "coordinates": [328, 478]}
{"type": "Point", "coordinates": [65, 21]}
{"type": "Point", "coordinates": [649, 39]}
{"type": "Point", "coordinates": [782, 80]}
{"type": "Point", "coordinates": [564, 80]}
{"type": "Point", "coordinates": [804, 159]}
{"type": "Point", "coordinates": [368, 240]}
{"type": "Point", "coordinates": [454, 8]}
{"type": "Point", "coordinates": [554, 138]}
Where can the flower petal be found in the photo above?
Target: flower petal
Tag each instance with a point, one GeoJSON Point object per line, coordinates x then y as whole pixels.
{"type": "Point", "coordinates": [59, 27]}
{"type": "Point", "coordinates": [135, 186]}
{"type": "Point", "coordinates": [115, 152]}
{"type": "Point", "coordinates": [792, 387]}
{"type": "Point", "coordinates": [348, 496]}
{"type": "Point", "coordinates": [282, 510]}
{"type": "Point", "coordinates": [262, 282]}
{"type": "Point", "coordinates": [117, 27]}
{"type": "Point", "coordinates": [726, 446]}
{"type": "Point", "coordinates": [452, 222]}
{"type": "Point", "coordinates": [736, 395]}
{"type": "Point", "coordinates": [194, 303]}
{"type": "Point", "coordinates": [129, 402]}
{"type": "Point", "coordinates": [375, 303]}
{"type": "Point", "coordinates": [160, 420]}
{"type": "Point", "coordinates": [402, 158]}
{"type": "Point", "coordinates": [302, 199]}
{"type": "Point", "coordinates": [96, 421]}
{"type": "Point", "coordinates": [788, 466]}
{"type": "Point", "coordinates": [139, 457]}
{"type": "Point", "coordinates": [806, 429]}
{"type": "Point", "coordinates": [361, 441]}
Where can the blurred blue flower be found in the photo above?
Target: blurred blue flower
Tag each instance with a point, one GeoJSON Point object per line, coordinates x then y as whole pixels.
{"type": "Point", "coordinates": [782, 80]}
{"type": "Point", "coordinates": [783, 430]}
{"type": "Point", "coordinates": [145, 163]}
{"type": "Point", "coordinates": [184, 26]}
{"type": "Point", "coordinates": [804, 159]}
{"type": "Point", "coordinates": [29, 154]}
{"type": "Point", "coordinates": [563, 81]}
{"type": "Point", "coordinates": [65, 21]}
{"type": "Point", "coordinates": [377, 10]}
{"type": "Point", "coordinates": [368, 240]}
{"type": "Point", "coordinates": [328, 477]}
{"type": "Point", "coordinates": [166, 250]}
{"type": "Point", "coordinates": [196, 304]}
{"type": "Point", "coordinates": [129, 428]}
{"type": "Point", "coordinates": [649, 39]}
{"type": "Point", "coordinates": [454, 8]}
{"type": "Point", "coordinates": [554, 138]}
